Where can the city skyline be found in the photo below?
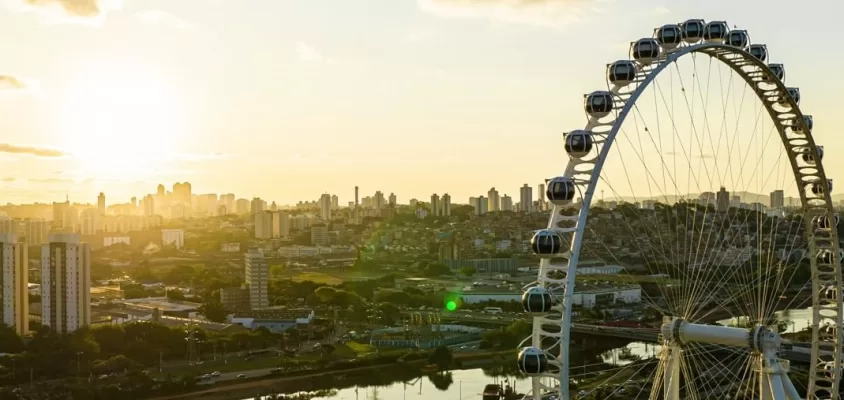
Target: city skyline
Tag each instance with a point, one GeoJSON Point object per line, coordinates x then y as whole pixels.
{"type": "Point", "coordinates": [131, 107]}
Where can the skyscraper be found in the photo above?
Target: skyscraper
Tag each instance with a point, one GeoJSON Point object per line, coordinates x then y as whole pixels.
{"type": "Point", "coordinates": [65, 283]}
{"type": "Point", "coordinates": [257, 276]}
{"type": "Point", "coordinates": [357, 198]}
{"type": "Point", "coordinates": [14, 283]}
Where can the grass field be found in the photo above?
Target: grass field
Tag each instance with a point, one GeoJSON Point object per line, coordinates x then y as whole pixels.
{"type": "Point", "coordinates": [329, 277]}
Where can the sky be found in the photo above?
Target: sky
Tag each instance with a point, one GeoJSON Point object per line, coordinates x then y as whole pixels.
{"type": "Point", "coordinates": [288, 99]}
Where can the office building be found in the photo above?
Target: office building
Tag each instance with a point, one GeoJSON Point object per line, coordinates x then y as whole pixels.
{"type": "Point", "coordinates": [257, 277]}
{"type": "Point", "coordinates": [14, 283]}
{"type": "Point", "coordinates": [65, 283]}
{"type": "Point", "coordinates": [319, 235]}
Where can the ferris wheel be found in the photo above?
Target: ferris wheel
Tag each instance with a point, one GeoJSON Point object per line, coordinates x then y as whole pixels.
{"type": "Point", "coordinates": [720, 214]}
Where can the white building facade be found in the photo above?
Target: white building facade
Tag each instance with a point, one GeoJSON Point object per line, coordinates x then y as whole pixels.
{"type": "Point", "coordinates": [65, 283]}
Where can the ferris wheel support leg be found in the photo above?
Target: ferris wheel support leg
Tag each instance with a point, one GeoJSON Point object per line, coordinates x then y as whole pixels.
{"type": "Point", "coordinates": [773, 379]}
{"type": "Point", "coordinates": [671, 374]}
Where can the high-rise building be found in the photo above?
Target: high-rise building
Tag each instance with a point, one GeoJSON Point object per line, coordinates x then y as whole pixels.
{"type": "Point", "coordinates": [182, 192]}
{"type": "Point", "coordinates": [14, 283]}
{"type": "Point", "coordinates": [257, 205]}
{"type": "Point", "coordinates": [36, 231]}
{"type": "Point", "coordinates": [149, 205]}
{"type": "Point", "coordinates": [335, 202]}
{"type": "Point", "coordinates": [357, 193]}
{"type": "Point", "coordinates": [257, 277]}
{"type": "Point", "coordinates": [379, 200]}
{"type": "Point", "coordinates": [242, 206]}
{"type": "Point", "coordinates": [481, 205]}
{"type": "Point", "coordinates": [228, 200]}
{"type": "Point", "coordinates": [101, 207]}
{"type": "Point", "coordinates": [263, 225]}
{"type": "Point", "coordinates": [60, 211]}
{"type": "Point", "coordinates": [319, 235]}
{"type": "Point", "coordinates": [281, 224]}
{"type": "Point", "coordinates": [65, 283]}
{"type": "Point", "coordinates": [526, 198]}
{"type": "Point", "coordinates": [506, 203]}
{"type": "Point", "coordinates": [435, 205]}
{"type": "Point", "coordinates": [446, 205]}
{"type": "Point", "coordinates": [493, 201]}
{"type": "Point", "coordinates": [722, 200]}
{"type": "Point", "coordinates": [540, 198]}
{"type": "Point", "coordinates": [392, 199]}
{"type": "Point", "coordinates": [325, 207]}
{"type": "Point", "coordinates": [90, 221]}
{"type": "Point", "coordinates": [777, 199]}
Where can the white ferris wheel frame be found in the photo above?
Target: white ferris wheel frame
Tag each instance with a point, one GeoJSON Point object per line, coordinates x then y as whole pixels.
{"type": "Point", "coordinates": [757, 75]}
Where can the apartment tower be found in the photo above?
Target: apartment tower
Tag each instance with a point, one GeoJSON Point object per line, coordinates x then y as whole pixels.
{"type": "Point", "coordinates": [65, 283]}
{"type": "Point", "coordinates": [14, 283]}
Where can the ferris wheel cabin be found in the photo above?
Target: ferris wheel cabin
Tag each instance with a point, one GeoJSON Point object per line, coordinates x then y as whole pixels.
{"type": "Point", "coordinates": [715, 31]}
{"type": "Point", "coordinates": [759, 52]}
{"type": "Point", "coordinates": [808, 158]}
{"type": "Point", "coordinates": [668, 36]}
{"type": "Point", "coordinates": [737, 38]}
{"type": "Point", "coordinates": [621, 72]}
{"type": "Point", "coordinates": [560, 191]}
{"type": "Point", "coordinates": [533, 361]}
{"type": "Point", "coordinates": [546, 243]}
{"type": "Point", "coordinates": [578, 143]}
{"type": "Point", "coordinates": [692, 30]}
{"type": "Point", "coordinates": [819, 188]}
{"type": "Point", "coordinates": [598, 104]}
{"type": "Point", "coordinates": [537, 300]}
{"type": "Point", "coordinates": [645, 50]}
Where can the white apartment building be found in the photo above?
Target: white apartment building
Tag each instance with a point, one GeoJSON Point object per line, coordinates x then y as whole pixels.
{"type": "Point", "coordinates": [65, 283]}
{"type": "Point", "coordinates": [257, 278]}
{"type": "Point", "coordinates": [173, 237]}
{"type": "Point", "coordinates": [281, 224]}
{"type": "Point", "coordinates": [14, 283]}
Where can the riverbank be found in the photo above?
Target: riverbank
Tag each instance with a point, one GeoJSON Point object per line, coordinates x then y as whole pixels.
{"type": "Point", "coordinates": [276, 384]}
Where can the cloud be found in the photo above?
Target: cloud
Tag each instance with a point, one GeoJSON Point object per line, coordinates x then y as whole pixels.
{"type": "Point", "coordinates": [13, 86]}
{"type": "Point", "coordinates": [33, 151]}
{"type": "Point", "coordinates": [159, 17]}
{"type": "Point", "coordinates": [10, 82]}
{"type": "Point", "coordinates": [309, 55]}
{"type": "Point", "coordinates": [64, 11]}
{"type": "Point", "coordinates": [546, 13]}
{"type": "Point", "coordinates": [662, 11]}
{"type": "Point", "coordinates": [419, 35]}
{"type": "Point", "coordinates": [198, 157]}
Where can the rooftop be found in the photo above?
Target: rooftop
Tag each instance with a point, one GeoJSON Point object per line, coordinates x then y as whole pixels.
{"type": "Point", "coordinates": [164, 304]}
{"type": "Point", "coordinates": [277, 314]}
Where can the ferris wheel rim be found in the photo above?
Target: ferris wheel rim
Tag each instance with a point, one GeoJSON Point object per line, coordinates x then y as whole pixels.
{"type": "Point", "coordinates": [823, 205]}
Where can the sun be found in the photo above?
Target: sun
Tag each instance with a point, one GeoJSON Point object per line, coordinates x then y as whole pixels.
{"type": "Point", "coordinates": [120, 123]}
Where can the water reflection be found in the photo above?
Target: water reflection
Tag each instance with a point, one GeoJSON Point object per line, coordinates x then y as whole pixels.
{"type": "Point", "coordinates": [453, 385]}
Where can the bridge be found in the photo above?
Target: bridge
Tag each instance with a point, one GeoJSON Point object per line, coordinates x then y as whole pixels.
{"type": "Point", "coordinates": [792, 351]}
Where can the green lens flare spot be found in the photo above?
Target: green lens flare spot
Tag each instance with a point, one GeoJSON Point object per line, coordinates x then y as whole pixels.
{"type": "Point", "coordinates": [451, 305]}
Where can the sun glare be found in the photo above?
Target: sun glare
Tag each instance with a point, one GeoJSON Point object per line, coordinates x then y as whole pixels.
{"type": "Point", "coordinates": [119, 125]}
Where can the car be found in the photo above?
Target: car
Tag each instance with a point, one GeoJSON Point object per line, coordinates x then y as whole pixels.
{"type": "Point", "coordinates": [241, 376]}
{"type": "Point", "coordinates": [215, 373]}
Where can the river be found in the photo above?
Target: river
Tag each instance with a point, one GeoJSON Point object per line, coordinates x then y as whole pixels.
{"type": "Point", "coordinates": [466, 385]}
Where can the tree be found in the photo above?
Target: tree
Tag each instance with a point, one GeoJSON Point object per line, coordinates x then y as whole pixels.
{"type": "Point", "coordinates": [213, 310]}
{"type": "Point", "coordinates": [10, 342]}
{"type": "Point", "coordinates": [468, 271]}
{"type": "Point", "coordinates": [442, 357]}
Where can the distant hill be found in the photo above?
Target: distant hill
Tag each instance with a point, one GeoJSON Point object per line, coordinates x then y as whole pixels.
{"type": "Point", "coordinates": [746, 197]}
